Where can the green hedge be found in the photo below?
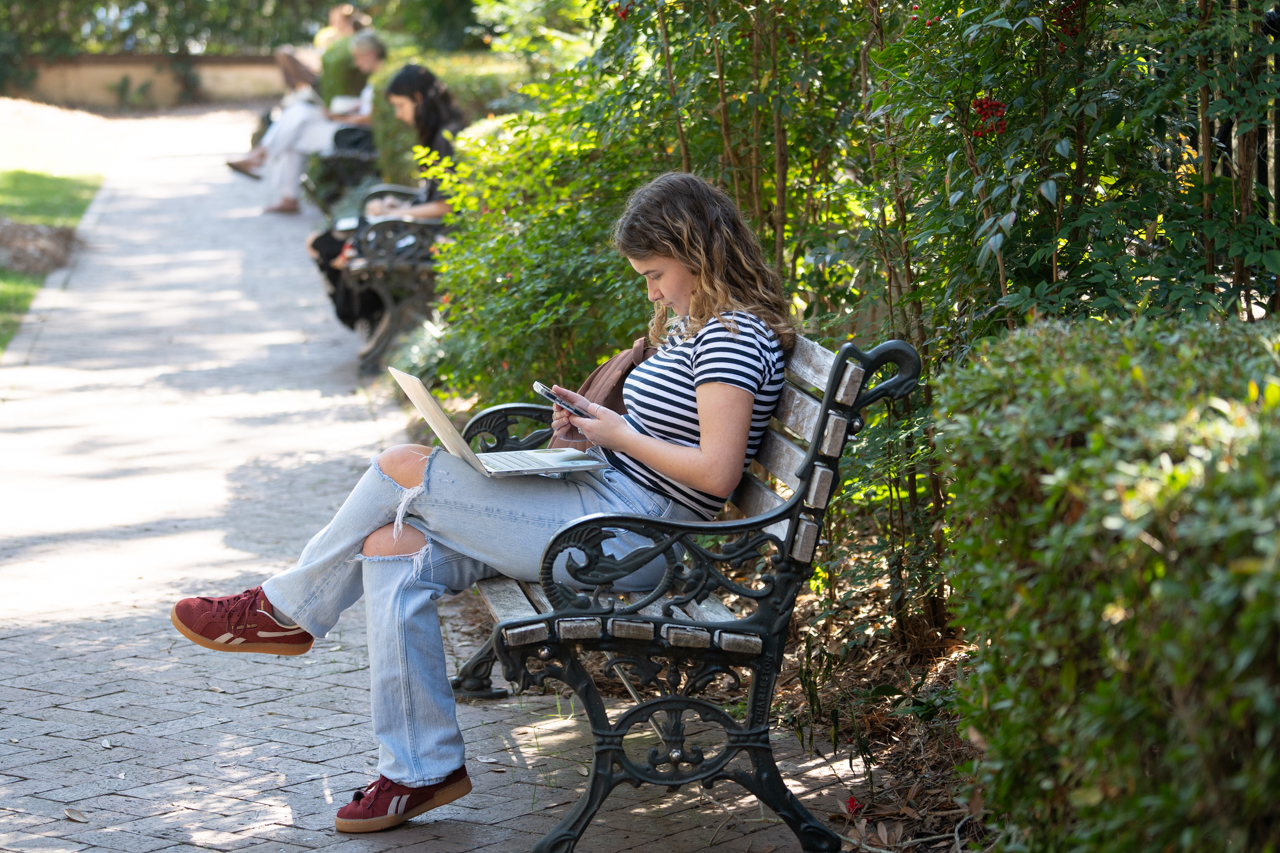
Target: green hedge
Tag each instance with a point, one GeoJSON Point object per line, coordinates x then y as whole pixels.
{"type": "Point", "coordinates": [1115, 562]}
{"type": "Point", "coordinates": [482, 83]}
{"type": "Point", "coordinates": [338, 72]}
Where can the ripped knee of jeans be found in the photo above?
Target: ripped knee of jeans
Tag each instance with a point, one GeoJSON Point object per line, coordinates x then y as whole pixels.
{"type": "Point", "coordinates": [408, 493]}
{"type": "Point", "coordinates": [419, 557]}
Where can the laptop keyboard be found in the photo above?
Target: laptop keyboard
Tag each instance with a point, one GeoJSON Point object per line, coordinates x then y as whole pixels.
{"type": "Point", "coordinates": [514, 460]}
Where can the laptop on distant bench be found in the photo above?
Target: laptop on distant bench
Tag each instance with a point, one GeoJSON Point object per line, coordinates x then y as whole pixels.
{"type": "Point", "coordinates": [515, 463]}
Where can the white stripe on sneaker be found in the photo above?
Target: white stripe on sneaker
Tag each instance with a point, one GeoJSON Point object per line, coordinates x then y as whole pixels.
{"type": "Point", "coordinates": [237, 641]}
{"type": "Point", "coordinates": [281, 633]}
{"type": "Point", "coordinates": [393, 805]}
{"type": "Point", "coordinates": [224, 638]}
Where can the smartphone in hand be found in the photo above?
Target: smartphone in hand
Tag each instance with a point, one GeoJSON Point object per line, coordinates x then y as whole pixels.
{"type": "Point", "coordinates": [544, 391]}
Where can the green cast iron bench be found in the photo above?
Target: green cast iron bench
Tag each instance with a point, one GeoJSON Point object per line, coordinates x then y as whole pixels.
{"type": "Point", "coordinates": [680, 638]}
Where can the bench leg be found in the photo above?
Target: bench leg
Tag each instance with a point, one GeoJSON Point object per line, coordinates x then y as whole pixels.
{"type": "Point", "coordinates": [566, 833]}
{"type": "Point", "coordinates": [397, 317]}
{"type": "Point", "coordinates": [766, 783]}
{"type": "Point", "coordinates": [474, 679]}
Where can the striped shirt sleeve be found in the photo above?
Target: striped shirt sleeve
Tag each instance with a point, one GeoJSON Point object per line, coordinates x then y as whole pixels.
{"type": "Point", "coordinates": [720, 355]}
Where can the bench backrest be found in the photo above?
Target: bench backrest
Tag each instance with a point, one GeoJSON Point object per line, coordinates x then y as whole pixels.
{"type": "Point", "coordinates": [819, 410]}
{"type": "Point", "coordinates": [823, 428]}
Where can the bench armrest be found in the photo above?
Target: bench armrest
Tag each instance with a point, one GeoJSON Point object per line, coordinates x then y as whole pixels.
{"type": "Point", "coordinates": [398, 190]}
{"type": "Point", "coordinates": [693, 570]}
{"type": "Point", "coordinates": [397, 240]}
{"type": "Point", "coordinates": [896, 387]}
{"type": "Point", "coordinates": [496, 421]}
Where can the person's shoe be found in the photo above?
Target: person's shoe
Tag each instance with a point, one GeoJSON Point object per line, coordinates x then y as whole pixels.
{"type": "Point", "coordinates": [238, 623]}
{"type": "Point", "coordinates": [248, 168]}
{"type": "Point", "coordinates": [284, 205]}
{"type": "Point", "coordinates": [385, 804]}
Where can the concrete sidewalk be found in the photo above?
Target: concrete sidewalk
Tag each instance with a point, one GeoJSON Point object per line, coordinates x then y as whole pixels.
{"type": "Point", "coordinates": [177, 416]}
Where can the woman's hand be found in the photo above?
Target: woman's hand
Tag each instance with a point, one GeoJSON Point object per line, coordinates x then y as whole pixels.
{"type": "Point", "coordinates": [606, 428]}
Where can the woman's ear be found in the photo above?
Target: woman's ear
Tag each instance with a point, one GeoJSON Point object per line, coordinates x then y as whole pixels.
{"type": "Point", "coordinates": [417, 98]}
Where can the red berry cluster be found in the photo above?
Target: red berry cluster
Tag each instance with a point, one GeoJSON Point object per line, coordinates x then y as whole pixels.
{"type": "Point", "coordinates": [624, 9]}
{"type": "Point", "coordinates": [1069, 17]}
{"type": "Point", "coordinates": [1068, 20]}
{"type": "Point", "coordinates": [990, 117]}
{"type": "Point", "coordinates": [928, 23]}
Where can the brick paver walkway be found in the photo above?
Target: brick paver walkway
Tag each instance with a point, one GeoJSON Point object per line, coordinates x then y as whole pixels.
{"type": "Point", "coordinates": [178, 414]}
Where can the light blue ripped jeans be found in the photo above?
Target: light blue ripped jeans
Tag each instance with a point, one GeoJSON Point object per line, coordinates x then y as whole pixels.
{"type": "Point", "coordinates": [476, 527]}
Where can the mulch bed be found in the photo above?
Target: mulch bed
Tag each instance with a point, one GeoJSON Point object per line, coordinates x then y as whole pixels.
{"type": "Point", "coordinates": [34, 249]}
{"type": "Point", "coordinates": [912, 800]}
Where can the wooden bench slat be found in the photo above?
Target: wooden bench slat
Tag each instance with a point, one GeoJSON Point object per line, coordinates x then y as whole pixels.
{"type": "Point", "coordinates": [711, 610]}
{"type": "Point", "coordinates": [753, 498]}
{"type": "Point", "coordinates": [631, 629]}
{"type": "Point", "coordinates": [798, 411]}
{"type": "Point", "coordinates": [687, 638]}
{"type": "Point", "coordinates": [811, 365]}
{"type": "Point", "coordinates": [780, 457]}
{"type": "Point", "coordinates": [806, 541]}
{"type": "Point", "coordinates": [506, 600]}
{"type": "Point", "coordinates": [537, 595]}
{"type": "Point", "coordinates": [578, 628]}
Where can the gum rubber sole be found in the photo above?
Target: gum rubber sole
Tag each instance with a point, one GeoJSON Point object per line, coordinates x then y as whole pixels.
{"type": "Point", "coordinates": [260, 648]}
{"type": "Point", "coordinates": [442, 797]}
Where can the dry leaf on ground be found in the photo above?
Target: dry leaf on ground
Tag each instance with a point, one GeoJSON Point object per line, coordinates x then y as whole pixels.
{"type": "Point", "coordinates": [73, 814]}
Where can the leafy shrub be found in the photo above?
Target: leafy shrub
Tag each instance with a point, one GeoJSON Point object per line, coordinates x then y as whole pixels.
{"type": "Point", "coordinates": [482, 83]}
{"type": "Point", "coordinates": [1116, 560]}
{"type": "Point", "coordinates": [533, 288]}
{"type": "Point", "coordinates": [438, 24]}
{"type": "Point", "coordinates": [338, 72]}
{"type": "Point", "coordinates": [547, 34]}
{"type": "Point", "coordinates": [67, 27]}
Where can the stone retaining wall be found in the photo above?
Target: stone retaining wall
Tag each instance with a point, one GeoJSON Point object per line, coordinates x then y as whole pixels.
{"type": "Point", "coordinates": [152, 81]}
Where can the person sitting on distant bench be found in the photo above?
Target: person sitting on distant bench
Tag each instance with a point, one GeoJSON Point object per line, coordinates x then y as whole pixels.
{"type": "Point", "coordinates": [421, 100]}
{"type": "Point", "coordinates": [306, 128]}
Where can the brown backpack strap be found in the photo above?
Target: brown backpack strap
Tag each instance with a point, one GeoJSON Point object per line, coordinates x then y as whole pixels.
{"type": "Point", "coordinates": [604, 385]}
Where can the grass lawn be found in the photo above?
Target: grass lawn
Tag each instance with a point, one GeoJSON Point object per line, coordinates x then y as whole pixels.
{"type": "Point", "coordinates": [36, 199]}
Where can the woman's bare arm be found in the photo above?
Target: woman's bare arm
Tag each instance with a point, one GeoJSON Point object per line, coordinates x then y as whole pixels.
{"type": "Point", "coordinates": [715, 466]}
{"type": "Point", "coordinates": [393, 207]}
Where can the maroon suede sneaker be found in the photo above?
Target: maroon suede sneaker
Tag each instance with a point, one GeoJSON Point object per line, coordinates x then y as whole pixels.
{"type": "Point", "coordinates": [385, 804]}
{"type": "Point", "coordinates": [238, 623]}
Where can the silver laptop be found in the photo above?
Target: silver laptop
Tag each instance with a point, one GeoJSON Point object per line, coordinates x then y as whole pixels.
{"type": "Point", "coordinates": [513, 464]}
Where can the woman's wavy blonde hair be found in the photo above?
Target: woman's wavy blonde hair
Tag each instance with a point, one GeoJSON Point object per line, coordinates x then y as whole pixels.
{"type": "Point", "coordinates": [681, 216]}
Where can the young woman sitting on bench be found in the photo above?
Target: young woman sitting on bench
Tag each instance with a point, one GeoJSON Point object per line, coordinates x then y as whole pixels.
{"type": "Point", "coordinates": [422, 523]}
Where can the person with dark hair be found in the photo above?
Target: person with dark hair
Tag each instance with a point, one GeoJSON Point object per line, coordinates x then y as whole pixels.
{"type": "Point", "coordinates": [422, 523]}
{"type": "Point", "coordinates": [422, 101]}
{"type": "Point", "coordinates": [306, 128]}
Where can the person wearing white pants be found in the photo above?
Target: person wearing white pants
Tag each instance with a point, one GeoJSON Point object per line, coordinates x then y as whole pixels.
{"type": "Point", "coordinates": [305, 128]}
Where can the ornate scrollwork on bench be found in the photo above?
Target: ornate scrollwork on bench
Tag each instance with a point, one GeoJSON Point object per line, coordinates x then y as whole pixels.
{"type": "Point", "coordinates": [496, 422]}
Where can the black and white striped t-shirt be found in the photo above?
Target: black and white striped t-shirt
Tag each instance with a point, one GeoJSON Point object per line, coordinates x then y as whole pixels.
{"type": "Point", "coordinates": [661, 396]}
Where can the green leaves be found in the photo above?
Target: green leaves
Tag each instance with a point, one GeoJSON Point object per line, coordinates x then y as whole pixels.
{"type": "Point", "coordinates": [1116, 549]}
{"type": "Point", "coordinates": [1271, 259]}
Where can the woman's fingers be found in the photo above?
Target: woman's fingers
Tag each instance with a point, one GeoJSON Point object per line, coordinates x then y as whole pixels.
{"type": "Point", "coordinates": [573, 397]}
